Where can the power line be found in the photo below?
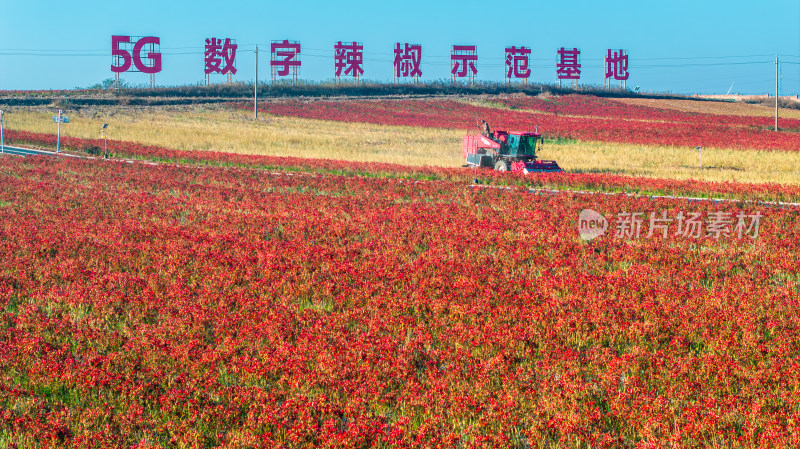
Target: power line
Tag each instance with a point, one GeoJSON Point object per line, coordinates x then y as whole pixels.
{"type": "Point", "coordinates": [72, 50]}
{"type": "Point", "coordinates": [446, 57]}
{"type": "Point", "coordinates": [705, 57]}
{"type": "Point", "coordinates": [653, 66]}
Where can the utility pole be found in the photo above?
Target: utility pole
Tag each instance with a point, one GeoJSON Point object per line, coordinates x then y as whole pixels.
{"type": "Point", "coordinates": [255, 89]}
{"type": "Point", "coordinates": [776, 92]}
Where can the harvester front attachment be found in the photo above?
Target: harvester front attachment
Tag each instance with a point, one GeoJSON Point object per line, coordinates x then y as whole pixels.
{"type": "Point", "coordinates": [540, 166]}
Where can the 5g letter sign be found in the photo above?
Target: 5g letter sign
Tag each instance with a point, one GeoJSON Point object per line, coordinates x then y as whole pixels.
{"type": "Point", "coordinates": [125, 52]}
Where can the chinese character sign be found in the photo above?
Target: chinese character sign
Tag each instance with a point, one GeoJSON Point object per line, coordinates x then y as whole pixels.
{"type": "Point", "coordinates": [407, 61]}
{"type": "Point", "coordinates": [220, 56]}
{"type": "Point", "coordinates": [617, 66]}
{"type": "Point", "coordinates": [462, 62]}
{"type": "Point", "coordinates": [568, 65]}
{"type": "Point", "coordinates": [285, 58]}
{"type": "Point", "coordinates": [126, 54]}
{"type": "Point", "coordinates": [518, 63]}
{"type": "Point", "coordinates": [348, 58]}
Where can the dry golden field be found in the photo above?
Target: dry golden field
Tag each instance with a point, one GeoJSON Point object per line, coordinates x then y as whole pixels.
{"type": "Point", "coordinates": [218, 128]}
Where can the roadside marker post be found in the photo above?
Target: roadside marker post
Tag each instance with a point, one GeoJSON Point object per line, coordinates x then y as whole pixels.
{"type": "Point", "coordinates": [104, 136]}
{"type": "Point", "coordinates": [699, 157]}
{"type": "Point", "coordinates": [59, 119]}
{"type": "Point", "coordinates": [58, 136]}
{"type": "Point", "coordinates": [2, 142]}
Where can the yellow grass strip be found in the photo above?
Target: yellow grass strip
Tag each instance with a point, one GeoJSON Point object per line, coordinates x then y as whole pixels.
{"type": "Point", "coordinates": [224, 129]}
{"type": "Point", "coordinates": [677, 163]}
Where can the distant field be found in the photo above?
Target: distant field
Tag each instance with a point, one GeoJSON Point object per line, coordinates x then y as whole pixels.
{"type": "Point", "coordinates": [713, 107]}
{"type": "Point", "coordinates": [221, 128]}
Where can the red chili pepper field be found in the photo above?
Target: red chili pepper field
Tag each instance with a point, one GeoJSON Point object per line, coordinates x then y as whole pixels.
{"type": "Point", "coordinates": [187, 299]}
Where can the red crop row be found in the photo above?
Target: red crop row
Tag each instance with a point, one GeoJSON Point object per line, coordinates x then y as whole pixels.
{"type": "Point", "coordinates": [169, 306]}
{"type": "Point", "coordinates": [575, 181]}
{"type": "Point", "coordinates": [705, 131]}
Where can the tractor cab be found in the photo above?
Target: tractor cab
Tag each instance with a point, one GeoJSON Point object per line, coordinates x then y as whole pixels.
{"type": "Point", "coordinates": [519, 144]}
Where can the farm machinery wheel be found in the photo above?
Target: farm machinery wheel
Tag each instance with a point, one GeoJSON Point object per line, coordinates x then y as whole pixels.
{"type": "Point", "coordinates": [501, 166]}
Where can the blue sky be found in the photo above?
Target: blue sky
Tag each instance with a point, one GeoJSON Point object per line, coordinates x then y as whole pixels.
{"type": "Point", "coordinates": [675, 46]}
